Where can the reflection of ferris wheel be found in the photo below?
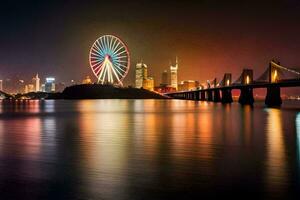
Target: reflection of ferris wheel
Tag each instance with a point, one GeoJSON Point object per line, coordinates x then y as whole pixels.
{"type": "Point", "coordinates": [109, 59]}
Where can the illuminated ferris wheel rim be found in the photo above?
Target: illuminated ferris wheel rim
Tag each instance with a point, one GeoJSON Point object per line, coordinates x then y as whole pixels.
{"type": "Point", "coordinates": [110, 56]}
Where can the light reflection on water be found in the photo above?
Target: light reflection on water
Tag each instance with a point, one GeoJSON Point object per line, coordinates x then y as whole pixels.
{"type": "Point", "coordinates": [147, 149]}
{"type": "Point", "coordinates": [276, 161]}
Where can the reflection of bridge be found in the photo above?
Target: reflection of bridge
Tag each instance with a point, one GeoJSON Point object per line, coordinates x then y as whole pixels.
{"type": "Point", "coordinates": [274, 77]}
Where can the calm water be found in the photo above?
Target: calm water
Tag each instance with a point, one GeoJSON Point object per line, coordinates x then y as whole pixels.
{"type": "Point", "coordinates": [148, 149]}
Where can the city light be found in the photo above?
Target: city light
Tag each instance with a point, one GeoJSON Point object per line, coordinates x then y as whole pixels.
{"type": "Point", "coordinates": [50, 79]}
{"type": "Point", "coordinates": [247, 79]}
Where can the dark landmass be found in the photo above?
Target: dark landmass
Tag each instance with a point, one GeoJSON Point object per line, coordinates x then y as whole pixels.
{"type": "Point", "coordinates": [5, 95]}
{"type": "Point", "coordinates": [97, 91]}
{"type": "Point", "coordinates": [40, 95]}
{"type": "Point", "coordinates": [94, 91]}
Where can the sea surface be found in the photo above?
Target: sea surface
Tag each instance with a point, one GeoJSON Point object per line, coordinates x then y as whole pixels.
{"type": "Point", "coordinates": [148, 149]}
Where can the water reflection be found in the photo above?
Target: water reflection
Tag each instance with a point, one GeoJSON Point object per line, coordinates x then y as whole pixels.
{"type": "Point", "coordinates": [276, 161]}
{"type": "Point", "coordinates": [105, 133]}
{"type": "Point", "coordinates": [298, 138]}
{"type": "Point", "coordinates": [145, 149]}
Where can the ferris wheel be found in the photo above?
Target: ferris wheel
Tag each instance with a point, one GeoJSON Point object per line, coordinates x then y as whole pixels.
{"type": "Point", "coordinates": [109, 60]}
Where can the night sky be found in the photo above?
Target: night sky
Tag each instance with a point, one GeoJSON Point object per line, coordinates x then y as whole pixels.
{"type": "Point", "coordinates": [209, 37]}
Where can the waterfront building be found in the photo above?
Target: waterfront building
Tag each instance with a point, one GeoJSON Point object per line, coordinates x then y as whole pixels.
{"type": "Point", "coordinates": [87, 80]}
{"type": "Point", "coordinates": [36, 83]}
{"type": "Point", "coordinates": [188, 85]}
{"type": "Point", "coordinates": [29, 88]}
{"type": "Point", "coordinates": [50, 84]}
{"type": "Point", "coordinates": [173, 70]}
{"type": "Point", "coordinates": [164, 89]}
{"type": "Point", "coordinates": [140, 74]}
{"type": "Point", "coordinates": [148, 83]}
{"type": "Point", "coordinates": [43, 89]}
{"type": "Point", "coordinates": [164, 78]}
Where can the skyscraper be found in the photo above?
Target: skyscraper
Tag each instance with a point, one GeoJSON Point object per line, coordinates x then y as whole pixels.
{"type": "Point", "coordinates": [50, 84]}
{"type": "Point", "coordinates": [173, 70]}
{"type": "Point", "coordinates": [140, 74]}
{"type": "Point", "coordinates": [37, 83]}
{"type": "Point", "coordinates": [1, 85]}
{"type": "Point", "coordinates": [165, 78]}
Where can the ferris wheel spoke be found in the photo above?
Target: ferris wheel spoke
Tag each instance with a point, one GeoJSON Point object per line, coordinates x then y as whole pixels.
{"type": "Point", "coordinates": [121, 69]}
{"type": "Point", "coordinates": [115, 45]}
{"type": "Point", "coordinates": [96, 54]}
{"type": "Point", "coordinates": [97, 71]}
{"type": "Point", "coordinates": [99, 52]}
{"type": "Point", "coordinates": [119, 49]}
{"type": "Point", "coordinates": [100, 47]}
{"type": "Point", "coordinates": [117, 70]}
{"type": "Point", "coordinates": [119, 57]}
{"type": "Point", "coordinates": [98, 58]}
{"type": "Point", "coordinates": [123, 61]}
{"type": "Point", "coordinates": [96, 61]}
{"type": "Point", "coordinates": [120, 53]}
{"type": "Point", "coordinates": [111, 75]}
{"type": "Point", "coordinates": [111, 43]}
{"type": "Point", "coordinates": [116, 75]}
{"type": "Point", "coordinates": [96, 47]}
{"type": "Point", "coordinates": [102, 74]}
{"type": "Point", "coordinates": [103, 46]}
{"type": "Point", "coordinates": [110, 40]}
{"type": "Point", "coordinates": [107, 45]}
{"type": "Point", "coordinates": [106, 74]}
{"type": "Point", "coordinates": [98, 67]}
{"type": "Point", "coordinates": [121, 65]}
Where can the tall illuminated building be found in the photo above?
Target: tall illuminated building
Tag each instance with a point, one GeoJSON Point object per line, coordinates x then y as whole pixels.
{"type": "Point", "coordinates": [37, 83]}
{"type": "Point", "coordinates": [148, 83]}
{"type": "Point", "coordinates": [165, 78]}
{"type": "Point", "coordinates": [173, 70]}
{"type": "Point", "coordinates": [140, 74]}
{"type": "Point", "coordinates": [50, 84]}
{"type": "Point", "coordinates": [1, 85]}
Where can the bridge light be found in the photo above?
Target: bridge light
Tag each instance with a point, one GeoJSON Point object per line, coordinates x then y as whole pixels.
{"type": "Point", "coordinates": [227, 82]}
{"type": "Point", "coordinates": [247, 79]}
{"type": "Point", "coordinates": [275, 75]}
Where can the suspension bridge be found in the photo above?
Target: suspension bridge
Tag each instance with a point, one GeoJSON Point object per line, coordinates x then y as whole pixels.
{"type": "Point", "coordinates": [273, 78]}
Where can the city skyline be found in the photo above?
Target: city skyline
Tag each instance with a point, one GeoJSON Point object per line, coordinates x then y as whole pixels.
{"type": "Point", "coordinates": [219, 41]}
{"type": "Point", "coordinates": [150, 99]}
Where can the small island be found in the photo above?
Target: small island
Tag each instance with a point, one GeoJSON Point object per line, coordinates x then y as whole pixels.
{"type": "Point", "coordinates": [94, 91]}
{"type": "Point", "coordinates": [98, 91]}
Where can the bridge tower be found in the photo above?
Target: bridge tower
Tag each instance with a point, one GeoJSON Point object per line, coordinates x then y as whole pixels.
{"type": "Point", "coordinates": [209, 95]}
{"type": "Point", "coordinates": [216, 92]}
{"type": "Point", "coordinates": [273, 97]}
{"type": "Point", "coordinates": [246, 96]}
{"type": "Point", "coordinates": [226, 92]}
